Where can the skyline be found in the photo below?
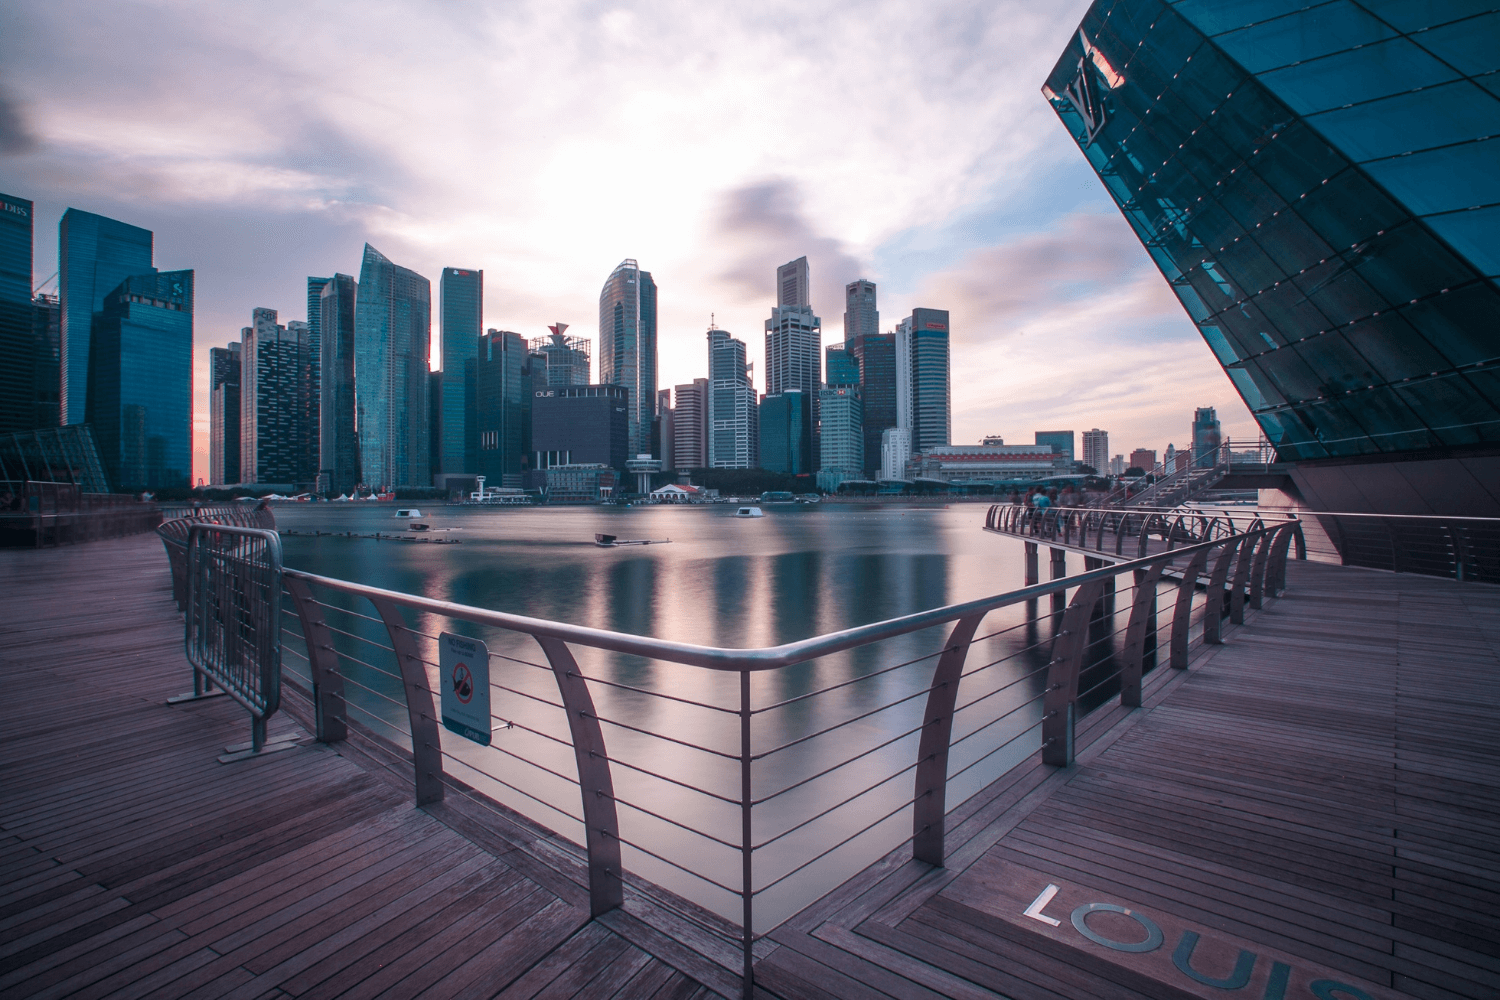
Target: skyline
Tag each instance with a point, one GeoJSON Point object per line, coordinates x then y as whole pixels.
{"type": "Point", "coordinates": [285, 168]}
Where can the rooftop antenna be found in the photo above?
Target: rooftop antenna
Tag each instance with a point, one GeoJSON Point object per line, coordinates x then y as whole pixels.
{"type": "Point", "coordinates": [713, 324]}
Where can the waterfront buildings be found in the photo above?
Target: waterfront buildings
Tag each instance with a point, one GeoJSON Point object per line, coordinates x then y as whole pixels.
{"type": "Point", "coordinates": [627, 345]}
{"type": "Point", "coordinates": [338, 443]}
{"type": "Point", "coordinates": [580, 483]}
{"type": "Point", "coordinates": [923, 404]}
{"type": "Point", "coordinates": [224, 415]}
{"type": "Point", "coordinates": [1061, 441]}
{"type": "Point", "coordinates": [786, 432]}
{"type": "Point", "coordinates": [733, 427]}
{"type": "Point", "coordinates": [1320, 186]}
{"type": "Point", "coordinates": [1096, 450]}
{"type": "Point", "coordinates": [392, 327]}
{"type": "Point", "coordinates": [664, 429]}
{"type": "Point", "coordinates": [580, 424]}
{"type": "Point", "coordinates": [566, 359]}
{"type": "Point", "coordinates": [1116, 466]}
{"type": "Point", "coordinates": [842, 368]}
{"type": "Point", "coordinates": [841, 441]}
{"type": "Point", "coordinates": [990, 463]}
{"type": "Point", "coordinates": [895, 452]}
{"type": "Point", "coordinates": [500, 378]}
{"type": "Point", "coordinates": [140, 399]}
{"type": "Point", "coordinates": [47, 359]}
{"type": "Point", "coordinates": [312, 385]}
{"type": "Point", "coordinates": [1205, 436]}
{"type": "Point", "coordinates": [1143, 459]}
{"type": "Point", "coordinates": [861, 316]}
{"type": "Point", "coordinates": [461, 307]}
{"type": "Point", "coordinates": [794, 336]}
{"type": "Point", "coordinates": [275, 420]}
{"type": "Point", "coordinates": [17, 317]}
{"type": "Point", "coordinates": [690, 425]}
{"type": "Point", "coordinates": [94, 254]}
{"type": "Point", "coordinates": [876, 355]}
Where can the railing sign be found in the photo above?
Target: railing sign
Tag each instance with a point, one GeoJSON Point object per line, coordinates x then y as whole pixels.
{"type": "Point", "coordinates": [465, 666]}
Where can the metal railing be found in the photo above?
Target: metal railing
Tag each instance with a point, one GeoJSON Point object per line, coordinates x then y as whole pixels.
{"type": "Point", "coordinates": [1126, 532]}
{"type": "Point", "coordinates": [792, 766]}
{"type": "Point", "coordinates": [174, 535]}
{"type": "Point", "coordinates": [47, 513]}
{"type": "Point", "coordinates": [1177, 481]}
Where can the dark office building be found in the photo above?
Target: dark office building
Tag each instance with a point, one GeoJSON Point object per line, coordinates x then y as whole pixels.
{"type": "Point", "coordinates": [843, 367]}
{"type": "Point", "coordinates": [141, 381]}
{"type": "Point", "coordinates": [502, 387]}
{"type": "Point", "coordinates": [224, 415]}
{"type": "Point", "coordinates": [1061, 442]}
{"type": "Point", "coordinates": [461, 308]}
{"type": "Point", "coordinates": [94, 254]}
{"type": "Point", "coordinates": [1320, 184]}
{"type": "Point", "coordinates": [786, 438]}
{"type": "Point", "coordinates": [275, 380]}
{"type": "Point", "coordinates": [17, 320]}
{"type": "Point", "coordinates": [861, 316]}
{"type": "Point", "coordinates": [876, 355]}
{"type": "Point", "coordinates": [313, 387]}
{"type": "Point", "coordinates": [338, 446]}
{"type": "Point", "coordinates": [46, 331]}
{"type": "Point", "coordinates": [393, 328]}
{"type": "Point", "coordinates": [580, 425]}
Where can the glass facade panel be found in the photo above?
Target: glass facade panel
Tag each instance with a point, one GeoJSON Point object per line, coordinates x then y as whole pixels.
{"type": "Point", "coordinates": [1443, 180]}
{"type": "Point", "coordinates": [1475, 234]}
{"type": "Point", "coordinates": [1414, 15]}
{"type": "Point", "coordinates": [1468, 46]}
{"type": "Point", "coordinates": [1214, 16]}
{"type": "Point", "coordinates": [1303, 36]}
{"type": "Point", "coordinates": [1405, 123]}
{"type": "Point", "coordinates": [1379, 70]}
{"type": "Point", "coordinates": [1394, 349]}
{"type": "Point", "coordinates": [1460, 324]}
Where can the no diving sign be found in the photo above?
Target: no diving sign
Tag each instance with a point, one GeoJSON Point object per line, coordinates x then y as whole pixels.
{"type": "Point", "coordinates": [465, 667]}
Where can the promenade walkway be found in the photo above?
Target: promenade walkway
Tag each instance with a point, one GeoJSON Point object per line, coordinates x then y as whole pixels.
{"type": "Point", "coordinates": [1321, 794]}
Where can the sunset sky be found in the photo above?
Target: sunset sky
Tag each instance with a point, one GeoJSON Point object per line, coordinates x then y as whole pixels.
{"type": "Point", "coordinates": [543, 142]}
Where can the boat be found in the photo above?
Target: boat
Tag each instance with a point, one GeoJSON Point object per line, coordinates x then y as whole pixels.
{"type": "Point", "coordinates": [407, 512]}
{"type": "Point", "coordinates": [610, 541]}
{"type": "Point", "coordinates": [749, 512]}
{"type": "Point", "coordinates": [417, 526]}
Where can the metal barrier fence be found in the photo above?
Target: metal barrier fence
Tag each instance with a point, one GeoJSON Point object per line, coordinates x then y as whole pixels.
{"type": "Point", "coordinates": [1126, 532]}
{"type": "Point", "coordinates": [755, 779]}
{"type": "Point", "coordinates": [174, 536]}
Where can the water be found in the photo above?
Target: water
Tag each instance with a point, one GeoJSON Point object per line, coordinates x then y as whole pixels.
{"type": "Point", "coordinates": [799, 571]}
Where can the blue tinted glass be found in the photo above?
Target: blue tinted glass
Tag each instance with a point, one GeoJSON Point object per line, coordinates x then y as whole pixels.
{"type": "Point", "coordinates": [1486, 384]}
{"type": "Point", "coordinates": [1295, 161]}
{"type": "Point", "coordinates": [1475, 234]}
{"type": "Point", "coordinates": [1290, 375]}
{"type": "Point", "coordinates": [1335, 429]}
{"type": "Point", "coordinates": [1341, 367]}
{"type": "Point", "coordinates": [1302, 36]}
{"type": "Point", "coordinates": [1338, 291]}
{"type": "Point", "coordinates": [1214, 16]}
{"type": "Point", "coordinates": [1290, 312]}
{"type": "Point", "coordinates": [1460, 324]}
{"type": "Point", "coordinates": [1248, 266]}
{"type": "Point", "coordinates": [1409, 122]}
{"type": "Point", "coordinates": [1290, 242]}
{"type": "Point", "coordinates": [1473, 46]}
{"type": "Point", "coordinates": [1394, 350]}
{"type": "Point", "coordinates": [1360, 75]}
{"type": "Point", "coordinates": [1490, 82]}
{"type": "Point", "coordinates": [1207, 81]}
{"type": "Point", "coordinates": [1443, 180]}
{"type": "Point", "coordinates": [1219, 343]}
{"type": "Point", "coordinates": [1254, 387]}
{"type": "Point", "coordinates": [1406, 263]}
{"type": "Point", "coordinates": [1450, 406]}
{"type": "Point", "coordinates": [1348, 209]}
{"type": "Point", "coordinates": [1246, 197]}
{"type": "Point", "coordinates": [1414, 15]}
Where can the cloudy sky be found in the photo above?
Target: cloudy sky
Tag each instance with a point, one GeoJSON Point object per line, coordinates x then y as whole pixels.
{"type": "Point", "coordinates": [544, 142]}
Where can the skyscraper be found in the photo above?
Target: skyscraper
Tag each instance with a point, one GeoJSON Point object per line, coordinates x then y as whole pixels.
{"type": "Point", "coordinates": [690, 425]}
{"type": "Point", "coordinates": [1205, 436]}
{"type": "Point", "coordinates": [627, 345]}
{"type": "Point", "coordinates": [794, 336]}
{"type": "Point", "coordinates": [841, 444]}
{"type": "Point", "coordinates": [876, 354]}
{"type": "Point", "coordinates": [1096, 450]}
{"type": "Point", "coordinates": [1061, 441]}
{"type": "Point", "coordinates": [47, 345]}
{"type": "Point", "coordinates": [338, 444]}
{"type": "Point", "coordinates": [461, 298]}
{"type": "Point", "coordinates": [392, 331]}
{"type": "Point", "coordinates": [17, 317]}
{"type": "Point", "coordinates": [731, 404]}
{"type": "Point", "coordinates": [502, 404]}
{"type": "Point", "coordinates": [141, 381]}
{"type": "Point", "coordinates": [94, 254]}
{"type": "Point", "coordinates": [923, 400]}
{"type": "Point", "coordinates": [843, 367]}
{"type": "Point", "coordinates": [1318, 184]}
{"type": "Point", "coordinates": [224, 415]}
{"type": "Point", "coordinates": [786, 432]}
{"type": "Point", "coordinates": [665, 419]}
{"type": "Point", "coordinates": [861, 317]}
{"type": "Point", "coordinates": [567, 358]}
{"type": "Point", "coordinates": [312, 383]}
{"type": "Point", "coordinates": [275, 373]}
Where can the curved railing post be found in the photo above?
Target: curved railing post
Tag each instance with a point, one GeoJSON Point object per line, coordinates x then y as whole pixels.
{"type": "Point", "coordinates": [426, 750]}
{"type": "Point", "coordinates": [1258, 569]}
{"type": "Point", "coordinates": [1213, 611]}
{"type": "Point", "coordinates": [601, 823]}
{"type": "Point", "coordinates": [1142, 610]}
{"type": "Point", "coordinates": [329, 710]}
{"type": "Point", "coordinates": [1182, 613]}
{"type": "Point", "coordinates": [1145, 537]}
{"type": "Point", "coordinates": [1276, 566]}
{"type": "Point", "coordinates": [1242, 577]}
{"type": "Point", "coordinates": [1062, 676]}
{"type": "Point", "coordinates": [931, 797]}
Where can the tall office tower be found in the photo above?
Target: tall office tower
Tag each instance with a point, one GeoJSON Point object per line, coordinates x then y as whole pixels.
{"type": "Point", "coordinates": [876, 354]}
{"type": "Point", "coordinates": [786, 432]}
{"type": "Point", "coordinates": [861, 317]}
{"type": "Point", "coordinates": [895, 452]}
{"type": "Point", "coordinates": [842, 368]}
{"type": "Point", "coordinates": [1096, 450]}
{"type": "Point", "coordinates": [665, 415]}
{"type": "Point", "coordinates": [94, 254]}
{"type": "Point", "coordinates": [224, 415]}
{"type": "Point", "coordinates": [1143, 459]}
{"type": "Point", "coordinates": [502, 407]}
{"type": "Point", "coordinates": [794, 336]}
{"type": "Point", "coordinates": [392, 331]}
{"type": "Point", "coordinates": [1062, 441]}
{"type": "Point", "coordinates": [47, 345]}
{"type": "Point", "coordinates": [314, 381]}
{"type": "Point", "coordinates": [338, 445]}
{"type": "Point", "coordinates": [923, 400]}
{"type": "Point", "coordinates": [275, 365]}
{"type": "Point", "coordinates": [1318, 185]}
{"type": "Point", "coordinates": [17, 317]}
{"type": "Point", "coordinates": [731, 404]}
{"type": "Point", "coordinates": [841, 445]}
{"type": "Point", "coordinates": [567, 357]}
{"type": "Point", "coordinates": [461, 307]}
{"type": "Point", "coordinates": [1205, 436]}
{"type": "Point", "coordinates": [690, 425]}
{"type": "Point", "coordinates": [627, 344]}
{"type": "Point", "coordinates": [141, 381]}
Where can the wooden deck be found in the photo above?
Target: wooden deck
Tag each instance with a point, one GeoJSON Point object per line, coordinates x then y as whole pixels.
{"type": "Point", "coordinates": [1323, 793]}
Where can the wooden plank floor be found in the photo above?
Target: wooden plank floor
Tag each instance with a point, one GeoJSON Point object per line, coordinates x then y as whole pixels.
{"type": "Point", "coordinates": [132, 864]}
{"type": "Point", "coordinates": [1323, 791]}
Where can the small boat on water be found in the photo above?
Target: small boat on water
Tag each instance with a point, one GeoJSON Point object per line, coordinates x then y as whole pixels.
{"type": "Point", "coordinates": [610, 541]}
{"type": "Point", "coordinates": [749, 512]}
{"type": "Point", "coordinates": [407, 512]}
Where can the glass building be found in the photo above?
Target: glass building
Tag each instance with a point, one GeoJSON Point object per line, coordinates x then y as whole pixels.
{"type": "Point", "coordinates": [627, 345]}
{"type": "Point", "coordinates": [461, 301]}
{"type": "Point", "coordinates": [17, 318]}
{"type": "Point", "coordinates": [567, 358]}
{"type": "Point", "coordinates": [392, 330]}
{"type": "Point", "coordinates": [923, 403]}
{"type": "Point", "coordinates": [47, 359]}
{"type": "Point", "coordinates": [875, 353]}
{"type": "Point", "coordinates": [1060, 442]}
{"type": "Point", "coordinates": [141, 381]}
{"type": "Point", "coordinates": [275, 383]}
{"type": "Point", "coordinates": [786, 438]}
{"type": "Point", "coordinates": [501, 387]}
{"type": "Point", "coordinates": [1320, 185]}
{"type": "Point", "coordinates": [94, 254]}
{"type": "Point", "coordinates": [224, 415]}
{"type": "Point", "coordinates": [841, 441]}
{"type": "Point", "coordinates": [733, 429]}
{"type": "Point", "coordinates": [338, 445]}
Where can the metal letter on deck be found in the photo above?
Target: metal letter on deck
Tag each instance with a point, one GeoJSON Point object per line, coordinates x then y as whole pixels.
{"type": "Point", "coordinates": [1213, 611]}
{"type": "Point", "coordinates": [426, 750]}
{"type": "Point", "coordinates": [1182, 957]}
{"type": "Point", "coordinates": [1182, 614]}
{"type": "Point", "coordinates": [932, 753]}
{"type": "Point", "coordinates": [601, 823]}
{"type": "Point", "coordinates": [329, 709]}
{"type": "Point", "coordinates": [1141, 612]}
{"type": "Point", "coordinates": [1062, 676]}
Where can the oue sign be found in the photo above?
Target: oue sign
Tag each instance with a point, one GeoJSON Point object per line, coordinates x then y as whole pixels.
{"type": "Point", "coordinates": [1148, 950]}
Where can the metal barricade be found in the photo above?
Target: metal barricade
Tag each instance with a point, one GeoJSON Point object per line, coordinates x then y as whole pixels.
{"type": "Point", "coordinates": [233, 613]}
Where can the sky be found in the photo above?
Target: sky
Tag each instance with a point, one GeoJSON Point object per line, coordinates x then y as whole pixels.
{"type": "Point", "coordinates": [545, 142]}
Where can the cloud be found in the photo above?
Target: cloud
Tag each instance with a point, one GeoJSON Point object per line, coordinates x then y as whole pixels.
{"type": "Point", "coordinates": [15, 135]}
